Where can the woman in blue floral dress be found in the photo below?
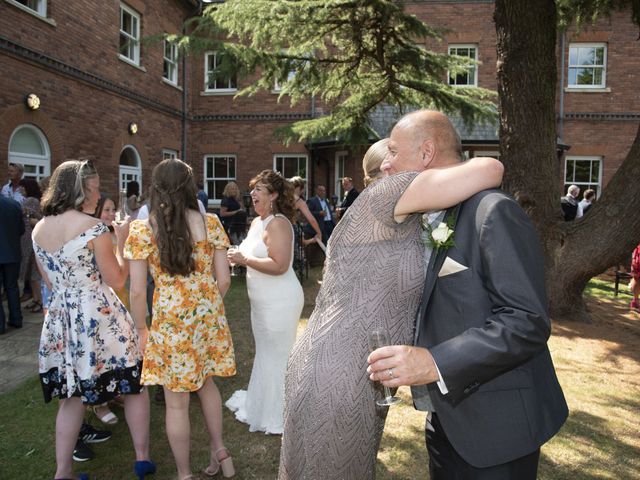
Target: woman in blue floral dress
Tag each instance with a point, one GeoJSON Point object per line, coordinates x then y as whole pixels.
{"type": "Point", "coordinates": [90, 348]}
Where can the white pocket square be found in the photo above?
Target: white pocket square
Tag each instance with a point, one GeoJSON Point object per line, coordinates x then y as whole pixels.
{"type": "Point", "coordinates": [450, 266]}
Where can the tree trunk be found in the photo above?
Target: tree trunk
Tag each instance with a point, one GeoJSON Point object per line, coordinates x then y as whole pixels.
{"type": "Point", "coordinates": [574, 252]}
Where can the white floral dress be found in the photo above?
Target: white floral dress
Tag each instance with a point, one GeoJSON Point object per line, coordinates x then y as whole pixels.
{"type": "Point", "coordinates": [89, 346]}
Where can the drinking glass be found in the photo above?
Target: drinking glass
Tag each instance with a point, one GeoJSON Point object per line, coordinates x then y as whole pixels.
{"type": "Point", "coordinates": [380, 338]}
{"type": "Point", "coordinates": [233, 249]}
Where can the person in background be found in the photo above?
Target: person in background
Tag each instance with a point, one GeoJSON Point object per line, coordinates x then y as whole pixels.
{"type": "Point", "coordinates": [89, 350]}
{"type": "Point", "coordinates": [588, 198]}
{"type": "Point", "coordinates": [11, 229]}
{"type": "Point", "coordinates": [233, 216]}
{"type": "Point", "coordinates": [321, 210]}
{"type": "Point", "coordinates": [634, 284]}
{"type": "Point", "coordinates": [350, 194]}
{"type": "Point", "coordinates": [202, 195]}
{"type": "Point", "coordinates": [12, 188]}
{"type": "Point", "coordinates": [134, 202]}
{"type": "Point", "coordinates": [276, 299]}
{"type": "Point", "coordinates": [569, 203]}
{"type": "Point", "coordinates": [304, 214]}
{"type": "Point", "coordinates": [189, 341]}
{"type": "Point", "coordinates": [31, 214]}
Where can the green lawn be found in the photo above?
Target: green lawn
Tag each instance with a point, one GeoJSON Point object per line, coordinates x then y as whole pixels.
{"type": "Point", "coordinates": [598, 366]}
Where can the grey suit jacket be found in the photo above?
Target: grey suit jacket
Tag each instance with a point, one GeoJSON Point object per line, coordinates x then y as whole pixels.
{"type": "Point", "coordinates": [487, 328]}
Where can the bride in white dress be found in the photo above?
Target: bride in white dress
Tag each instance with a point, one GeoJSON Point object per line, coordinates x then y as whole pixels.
{"type": "Point", "coordinates": [276, 299]}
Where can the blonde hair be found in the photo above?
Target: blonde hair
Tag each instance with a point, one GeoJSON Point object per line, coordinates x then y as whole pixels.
{"type": "Point", "coordinates": [227, 190]}
{"type": "Point", "coordinates": [373, 160]}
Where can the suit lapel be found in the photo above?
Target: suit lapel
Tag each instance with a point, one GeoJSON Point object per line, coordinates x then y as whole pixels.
{"type": "Point", "coordinates": [435, 264]}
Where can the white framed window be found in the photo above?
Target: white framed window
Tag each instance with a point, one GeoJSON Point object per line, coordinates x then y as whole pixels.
{"type": "Point", "coordinates": [129, 34]}
{"type": "Point", "coordinates": [168, 154]}
{"type": "Point", "coordinates": [37, 6]}
{"type": "Point", "coordinates": [29, 147]}
{"type": "Point", "coordinates": [585, 172]}
{"type": "Point", "coordinates": [214, 81]}
{"type": "Point", "coordinates": [277, 86]}
{"type": "Point", "coordinates": [170, 65]}
{"type": "Point", "coordinates": [340, 162]}
{"type": "Point", "coordinates": [468, 78]}
{"type": "Point", "coordinates": [130, 168]}
{"type": "Point", "coordinates": [291, 165]}
{"type": "Point", "coordinates": [219, 169]}
{"type": "Point", "coordinates": [587, 65]}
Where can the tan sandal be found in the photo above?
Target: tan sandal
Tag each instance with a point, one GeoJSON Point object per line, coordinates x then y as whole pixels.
{"type": "Point", "coordinates": [226, 463]}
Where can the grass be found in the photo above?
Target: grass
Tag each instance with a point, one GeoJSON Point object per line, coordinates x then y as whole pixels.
{"type": "Point", "coordinates": [598, 365]}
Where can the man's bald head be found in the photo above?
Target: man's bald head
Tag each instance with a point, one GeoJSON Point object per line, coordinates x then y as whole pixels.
{"type": "Point", "coordinates": [422, 139]}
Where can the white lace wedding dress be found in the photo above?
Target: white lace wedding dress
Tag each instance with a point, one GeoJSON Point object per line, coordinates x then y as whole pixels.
{"type": "Point", "coordinates": [276, 304]}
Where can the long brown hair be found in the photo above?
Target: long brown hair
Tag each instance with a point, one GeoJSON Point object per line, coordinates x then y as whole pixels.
{"type": "Point", "coordinates": [275, 182]}
{"type": "Point", "coordinates": [173, 194]}
{"type": "Point", "coordinates": [67, 187]}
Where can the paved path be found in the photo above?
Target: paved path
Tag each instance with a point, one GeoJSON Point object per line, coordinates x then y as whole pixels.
{"type": "Point", "coordinates": [19, 351]}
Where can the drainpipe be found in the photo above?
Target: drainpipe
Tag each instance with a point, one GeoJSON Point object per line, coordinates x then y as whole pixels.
{"type": "Point", "coordinates": [185, 113]}
{"type": "Point", "coordinates": [561, 106]}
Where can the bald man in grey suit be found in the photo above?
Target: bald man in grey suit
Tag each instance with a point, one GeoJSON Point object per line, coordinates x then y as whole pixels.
{"type": "Point", "coordinates": [480, 364]}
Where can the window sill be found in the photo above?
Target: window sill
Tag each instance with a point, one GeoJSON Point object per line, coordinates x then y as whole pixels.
{"type": "Point", "coordinates": [132, 63]}
{"type": "Point", "coordinates": [50, 21]}
{"type": "Point", "coordinates": [587, 90]}
{"type": "Point", "coordinates": [471, 85]}
{"type": "Point", "coordinates": [171, 84]}
{"type": "Point", "coordinates": [214, 93]}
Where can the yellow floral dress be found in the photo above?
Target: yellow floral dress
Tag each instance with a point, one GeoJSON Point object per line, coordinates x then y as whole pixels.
{"type": "Point", "coordinates": [189, 338]}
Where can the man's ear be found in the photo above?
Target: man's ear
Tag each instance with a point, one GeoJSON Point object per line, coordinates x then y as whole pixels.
{"type": "Point", "coordinates": [427, 153]}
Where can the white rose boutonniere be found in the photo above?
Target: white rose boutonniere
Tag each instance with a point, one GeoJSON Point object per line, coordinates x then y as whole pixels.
{"type": "Point", "coordinates": [441, 236]}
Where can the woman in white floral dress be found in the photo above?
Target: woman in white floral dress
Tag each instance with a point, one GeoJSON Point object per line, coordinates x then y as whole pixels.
{"type": "Point", "coordinates": [89, 351]}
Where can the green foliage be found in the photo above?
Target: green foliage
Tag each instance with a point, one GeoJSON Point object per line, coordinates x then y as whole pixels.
{"type": "Point", "coordinates": [587, 11]}
{"type": "Point", "coordinates": [349, 55]}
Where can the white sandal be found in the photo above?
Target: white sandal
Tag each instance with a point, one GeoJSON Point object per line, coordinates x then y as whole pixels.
{"type": "Point", "coordinates": [108, 419]}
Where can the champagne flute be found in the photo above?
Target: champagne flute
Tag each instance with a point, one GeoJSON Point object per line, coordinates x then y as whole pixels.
{"type": "Point", "coordinates": [380, 338]}
{"type": "Point", "coordinates": [232, 250]}
{"type": "Point", "coordinates": [120, 213]}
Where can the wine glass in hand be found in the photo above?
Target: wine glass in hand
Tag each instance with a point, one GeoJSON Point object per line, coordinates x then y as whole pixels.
{"type": "Point", "coordinates": [231, 251]}
{"type": "Point", "coordinates": [380, 338]}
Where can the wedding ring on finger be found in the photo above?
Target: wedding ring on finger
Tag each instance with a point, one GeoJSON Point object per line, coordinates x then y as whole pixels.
{"type": "Point", "coordinates": [390, 373]}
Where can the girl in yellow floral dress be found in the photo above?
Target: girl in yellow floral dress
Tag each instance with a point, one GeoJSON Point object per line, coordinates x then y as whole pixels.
{"type": "Point", "coordinates": [189, 340]}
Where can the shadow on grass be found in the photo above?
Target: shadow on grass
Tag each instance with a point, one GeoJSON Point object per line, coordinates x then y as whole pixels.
{"type": "Point", "coordinates": [403, 456]}
{"type": "Point", "coordinates": [612, 322]}
{"type": "Point", "coordinates": [587, 449]}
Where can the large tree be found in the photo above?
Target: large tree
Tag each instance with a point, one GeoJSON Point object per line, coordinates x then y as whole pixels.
{"type": "Point", "coordinates": [356, 54]}
{"type": "Point", "coordinates": [574, 251]}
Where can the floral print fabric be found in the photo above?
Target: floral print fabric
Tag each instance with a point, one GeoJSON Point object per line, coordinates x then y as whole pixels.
{"type": "Point", "coordinates": [88, 347]}
{"type": "Point", "coordinates": [189, 338]}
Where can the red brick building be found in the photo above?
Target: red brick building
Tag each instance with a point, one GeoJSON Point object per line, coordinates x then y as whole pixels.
{"type": "Point", "coordinates": [128, 105]}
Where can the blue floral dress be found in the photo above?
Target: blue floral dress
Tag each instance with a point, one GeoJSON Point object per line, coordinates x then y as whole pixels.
{"type": "Point", "coordinates": [89, 346]}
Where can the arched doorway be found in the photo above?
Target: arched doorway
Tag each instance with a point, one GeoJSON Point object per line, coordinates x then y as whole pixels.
{"type": "Point", "coordinates": [29, 147]}
{"type": "Point", "coordinates": [130, 167]}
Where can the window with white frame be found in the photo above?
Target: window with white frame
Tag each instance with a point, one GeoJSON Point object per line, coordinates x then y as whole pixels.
{"type": "Point", "coordinates": [291, 165]}
{"type": "Point", "coordinates": [29, 147]}
{"type": "Point", "coordinates": [585, 172]}
{"type": "Point", "coordinates": [170, 67]}
{"type": "Point", "coordinates": [469, 77]}
{"type": "Point", "coordinates": [129, 34]}
{"type": "Point", "coordinates": [169, 154]}
{"type": "Point", "coordinates": [587, 65]}
{"type": "Point", "coordinates": [38, 6]}
{"type": "Point", "coordinates": [219, 169]}
{"type": "Point", "coordinates": [277, 86]}
{"type": "Point", "coordinates": [214, 80]}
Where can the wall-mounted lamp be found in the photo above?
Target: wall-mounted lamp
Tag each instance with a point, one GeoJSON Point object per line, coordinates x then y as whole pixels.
{"type": "Point", "coordinates": [32, 101]}
{"type": "Point", "coordinates": [132, 128]}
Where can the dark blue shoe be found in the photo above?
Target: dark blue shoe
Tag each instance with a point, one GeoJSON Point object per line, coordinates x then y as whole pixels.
{"type": "Point", "coordinates": [143, 468]}
{"type": "Point", "coordinates": [83, 476]}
